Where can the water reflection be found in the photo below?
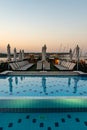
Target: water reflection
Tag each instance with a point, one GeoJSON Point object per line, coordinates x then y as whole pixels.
{"type": "Point", "coordinates": [10, 80]}
{"type": "Point", "coordinates": [16, 80]}
{"type": "Point", "coordinates": [69, 81]}
{"type": "Point", "coordinates": [21, 78]}
{"type": "Point", "coordinates": [44, 84]}
{"type": "Point", "coordinates": [19, 81]}
{"type": "Point", "coordinates": [76, 79]}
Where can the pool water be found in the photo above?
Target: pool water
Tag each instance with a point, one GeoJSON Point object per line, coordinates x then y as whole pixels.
{"type": "Point", "coordinates": [43, 121]}
{"type": "Point", "coordinates": [57, 107]}
{"type": "Point", "coordinates": [41, 86]}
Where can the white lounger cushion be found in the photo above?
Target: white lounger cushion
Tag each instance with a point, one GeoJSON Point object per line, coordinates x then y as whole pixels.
{"type": "Point", "coordinates": [65, 65]}
{"type": "Point", "coordinates": [39, 65]}
{"type": "Point", "coordinates": [22, 65]}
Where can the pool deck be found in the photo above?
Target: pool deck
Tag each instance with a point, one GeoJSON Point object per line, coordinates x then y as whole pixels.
{"type": "Point", "coordinates": [43, 73]}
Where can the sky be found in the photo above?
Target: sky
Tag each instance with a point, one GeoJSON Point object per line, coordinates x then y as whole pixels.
{"type": "Point", "coordinates": [29, 24]}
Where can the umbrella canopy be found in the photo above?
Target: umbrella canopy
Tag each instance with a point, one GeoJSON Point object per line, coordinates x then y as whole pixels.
{"type": "Point", "coordinates": [15, 54]}
{"type": "Point", "coordinates": [77, 52]}
{"type": "Point", "coordinates": [71, 55]}
{"type": "Point", "coordinates": [44, 53]}
{"type": "Point", "coordinates": [20, 55]}
{"type": "Point", "coordinates": [8, 52]}
{"type": "Point", "coordinates": [77, 55]}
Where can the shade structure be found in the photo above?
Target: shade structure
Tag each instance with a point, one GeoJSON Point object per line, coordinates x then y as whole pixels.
{"type": "Point", "coordinates": [8, 52]}
{"type": "Point", "coordinates": [44, 53]}
{"type": "Point", "coordinates": [20, 55]}
{"type": "Point", "coordinates": [77, 55]}
{"type": "Point", "coordinates": [71, 55]}
{"type": "Point", "coordinates": [15, 55]}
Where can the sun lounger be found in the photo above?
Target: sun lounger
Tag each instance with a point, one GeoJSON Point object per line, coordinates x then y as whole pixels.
{"type": "Point", "coordinates": [12, 66]}
{"type": "Point", "coordinates": [46, 66]}
{"type": "Point", "coordinates": [72, 66]}
{"type": "Point", "coordinates": [39, 65]}
{"type": "Point", "coordinates": [61, 67]}
{"type": "Point", "coordinates": [65, 65]}
{"type": "Point", "coordinates": [26, 66]}
{"type": "Point", "coordinates": [22, 65]}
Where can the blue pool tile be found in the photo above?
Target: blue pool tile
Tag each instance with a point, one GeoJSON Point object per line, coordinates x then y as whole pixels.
{"type": "Point", "coordinates": [63, 120]}
{"type": "Point", "coordinates": [19, 120]}
{"type": "Point", "coordinates": [35, 90]}
{"type": "Point", "coordinates": [56, 124]}
{"type": "Point", "coordinates": [24, 90]}
{"type": "Point", "coordinates": [30, 89]}
{"type": "Point", "coordinates": [27, 117]}
{"type": "Point", "coordinates": [34, 120]}
{"type": "Point", "coordinates": [2, 91]}
{"type": "Point", "coordinates": [84, 92]}
{"type": "Point", "coordinates": [81, 94]}
{"type": "Point", "coordinates": [6, 92]}
{"type": "Point", "coordinates": [41, 124]}
{"type": "Point", "coordinates": [49, 128]}
{"type": "Point", "coordinates": [85, 123]}
{"type": "Point", "coordinates": [69, 116]}
{"type": "Point", "coordinates": [77, 120]}
{"type": "Point", "coordinates": [10, 124]}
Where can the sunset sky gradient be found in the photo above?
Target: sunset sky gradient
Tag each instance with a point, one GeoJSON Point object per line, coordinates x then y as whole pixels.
{"type": "Point", "coordinates": [29, 24]}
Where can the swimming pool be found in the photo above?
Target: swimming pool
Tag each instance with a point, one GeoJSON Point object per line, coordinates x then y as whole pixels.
{"type": "Point", "coordinates": [43, 93]}
{"type": "Point", "coordinates": [43, 86]}
{"type": "Point", "coordinates": [43, 102]}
